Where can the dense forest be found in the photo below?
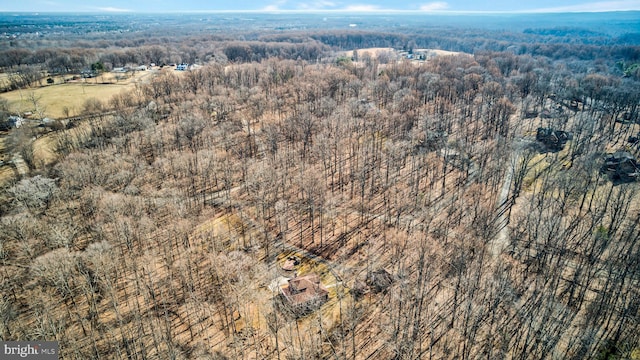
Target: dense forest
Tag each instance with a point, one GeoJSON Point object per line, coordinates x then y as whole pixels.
{"type": "Point", "coordinates": [465, 206]}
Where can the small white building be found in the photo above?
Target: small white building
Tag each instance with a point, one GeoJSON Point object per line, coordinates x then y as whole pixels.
{"type": "Point", "coordinates": [15, 121]}
{"type": "Point", "coordinates": [182, 67]}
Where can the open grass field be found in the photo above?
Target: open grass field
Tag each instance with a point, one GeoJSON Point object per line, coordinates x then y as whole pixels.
{"type": "Point", "coordinates": [374, 52]}
{"type": "Point", "coordinates": [53, 99]}
{"type": "Point", "coordinates": [436, 52]}
{"type": "Point", "coordinates": [4, 80]}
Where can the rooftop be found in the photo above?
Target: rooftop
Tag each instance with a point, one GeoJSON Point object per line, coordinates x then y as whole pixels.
{"type": "Point", "coordinates": [304, 291]}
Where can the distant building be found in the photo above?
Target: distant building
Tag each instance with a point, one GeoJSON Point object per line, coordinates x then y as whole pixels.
{"type": "Point", "coordinates": [15, 121]}
{"type": "Point", "coordinates": [182, 67]}
{"type": "Point", "coordinates": [575, 104]}
{"type": "Point", "coordinates": [304, 293]}
{"type": "Point", "coordinates": [11, 122]}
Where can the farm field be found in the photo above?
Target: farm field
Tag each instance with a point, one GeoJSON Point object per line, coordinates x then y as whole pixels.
{"type": "Point", "coordinates": [53, 99]}
{"type": "Point", "coordinates": [391, 53]}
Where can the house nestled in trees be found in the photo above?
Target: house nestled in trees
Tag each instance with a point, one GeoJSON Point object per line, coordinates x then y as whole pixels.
{"type": "Point", "coordinates": [304, 293]}
{"type": "Point", "coordinates": [554, 140]}
{"type": "Point", "coordinates": [621, 166]}
{"type": "Point", "coordinates": [376, 281]}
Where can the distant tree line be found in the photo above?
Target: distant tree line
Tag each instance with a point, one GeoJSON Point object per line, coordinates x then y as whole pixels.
{"type": "Point", "coordinates": [72, 55]}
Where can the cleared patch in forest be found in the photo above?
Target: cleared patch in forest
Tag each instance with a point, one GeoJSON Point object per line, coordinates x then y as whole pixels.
{"type": "Point", "coordinates": [54, 100]}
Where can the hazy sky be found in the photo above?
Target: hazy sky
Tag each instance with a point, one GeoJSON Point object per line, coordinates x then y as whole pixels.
{"type": "Point", "coordinates": [317, 5]}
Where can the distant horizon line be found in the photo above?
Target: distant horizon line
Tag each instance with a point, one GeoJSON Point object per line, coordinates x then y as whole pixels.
{"type": "Point", "coordinates": [109, 11]}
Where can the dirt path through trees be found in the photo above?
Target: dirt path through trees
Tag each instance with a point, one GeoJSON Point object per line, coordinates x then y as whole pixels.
{"type": "Point", "coordinates": [501, 240]}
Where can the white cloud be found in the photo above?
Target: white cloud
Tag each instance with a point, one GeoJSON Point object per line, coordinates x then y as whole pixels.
{"type": "Point", "coordinates": [274, 6]}
{"type": "Point", "coordinates": [362, 8]}
{"type": "Point", "coordinates": [434, 6]}
{"type": "Point", "coordinates": [317, 5]}
{"type": "Point", "coordinates": [113, 9]}
{"type": "Point", "coordinates": [623, 5]}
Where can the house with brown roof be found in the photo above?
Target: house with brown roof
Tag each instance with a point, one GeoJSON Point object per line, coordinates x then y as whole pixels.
{"type": "Point", "coordinates": [304, 293]}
